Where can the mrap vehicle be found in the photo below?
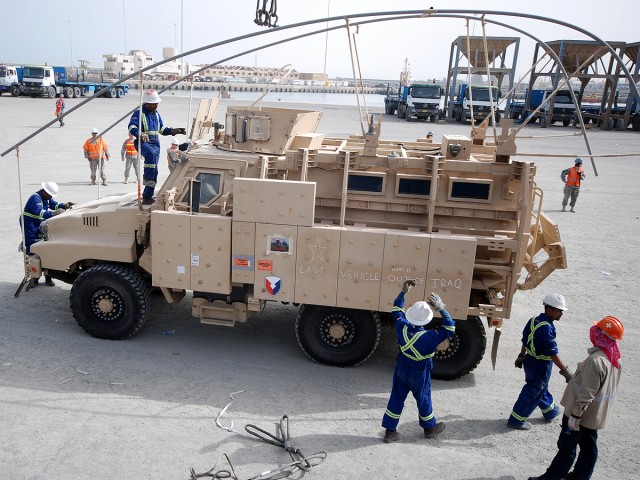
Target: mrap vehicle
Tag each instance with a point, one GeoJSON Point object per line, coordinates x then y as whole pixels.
{"type": "Point", "coordinates": [271, 211]}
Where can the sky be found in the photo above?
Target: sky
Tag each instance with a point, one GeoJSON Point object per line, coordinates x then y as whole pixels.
{"type": "Point", "coordinates": [70, 33]}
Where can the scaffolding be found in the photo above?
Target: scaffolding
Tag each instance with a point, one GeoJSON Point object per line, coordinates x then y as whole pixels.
{"type": "Point", "coordinates": [473, 49]}
{"type": "Point", "coordinates": [586, 60]}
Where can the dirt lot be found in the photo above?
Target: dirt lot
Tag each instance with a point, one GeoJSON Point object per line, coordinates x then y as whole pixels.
{"type": "Point", "coordinates": [72, 406]}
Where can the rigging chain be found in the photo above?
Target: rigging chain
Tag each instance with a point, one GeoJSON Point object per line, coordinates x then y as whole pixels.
{"type": "Point", "coordinates": [264, 17]}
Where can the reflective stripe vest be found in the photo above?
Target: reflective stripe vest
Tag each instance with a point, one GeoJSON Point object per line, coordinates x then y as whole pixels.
{"type": "Point", "coordinates": [573, 179]}
{"type": "Point", "coordinates": [96, 148]}
{"type": "Point", "coordinates": [130, 148]}
{"type": "Point", "coordinates": [531, 348]}
{"type": "Point", "coordinates": [408, 350]}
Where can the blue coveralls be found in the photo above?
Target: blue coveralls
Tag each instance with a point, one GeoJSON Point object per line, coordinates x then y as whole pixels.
{"type": "Point", "coordinates": [150, 151]}
{"type": "Point", "coordinates": [539, 339]}
{"type": "Point", "coordinates": [414, 365]}
{"type": "Point", "coordinates": [35, 211]}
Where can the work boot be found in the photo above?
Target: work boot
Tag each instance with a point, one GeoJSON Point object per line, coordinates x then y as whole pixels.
{"type": "Point", "coordinates": [552, 416]}
{"type": "Point", "coordinates": [93, 182]}
{"type": "Point", "coordinates": [544, 476]}
{"type": "Point", "coordinates": [564, 209]}
{"type": "Point", "coordinates": [33, 283]}
{"type": "Point", "coordinates": [126, 180]}
{"type": "Point", "coordinates": [432, 432]}
{"type": "Point", "coordinates": [390, 436]}
{"type": "Point", "coordinates": [104, 182]}
{"type": "Point", "coordinates": [522, 426]}
{"type": "Point", "coordinates": [49, 282]}
{"type": "Point", "coordinates": [572, 210]}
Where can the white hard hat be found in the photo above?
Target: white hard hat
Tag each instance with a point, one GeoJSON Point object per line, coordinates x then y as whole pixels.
{"type": "Point", "coordinates": [419, 313]}
{"type": "Point", "coordinates": [555, 300]}
{"type": "Point", "coordinates": [51, 188]}
{"type": "Point", "coordinates": [175, 141]}
{"type": "Point", "coordinates": [151, 96]}
{"type": "Point", "coordinates": [94, 130]}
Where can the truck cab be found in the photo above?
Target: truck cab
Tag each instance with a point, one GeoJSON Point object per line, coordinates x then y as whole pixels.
{"type": "Point", "coordinates": [39, 81]}
{"type": "Point", "coordinates": [421, 101]}
{"type": "Point", "coordinates": [555, 108]}
{"type": "Point", "coordinates": [10, 78]}
{"type": "Point", "coordinates": [479, 98]}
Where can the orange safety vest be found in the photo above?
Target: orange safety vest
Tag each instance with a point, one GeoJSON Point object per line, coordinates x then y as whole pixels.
{"type": "Point", "coordinates": [573, 179]}
{"type": "Point", "coordinates": [96, 148]}
{"type": "Point", "coordinates": [59, 105]}
{"type": "Point", "coordinates": [131, 149]}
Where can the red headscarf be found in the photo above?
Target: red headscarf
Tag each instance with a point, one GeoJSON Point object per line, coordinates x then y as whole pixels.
{"type": "Point", "coordinates": [608, 345]}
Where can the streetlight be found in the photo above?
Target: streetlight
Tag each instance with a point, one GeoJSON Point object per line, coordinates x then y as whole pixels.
{"type": "Point", "coordinates": [70, 45]}
{"type": "Point", "coordinates": [326, 42]}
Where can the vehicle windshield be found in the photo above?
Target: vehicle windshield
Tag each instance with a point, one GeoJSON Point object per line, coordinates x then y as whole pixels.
{"type": "Point", "coordinates": [33, 72]}
{"type": "Point", "coordinates": [424, 91]}
{"type": "Point", "coordinates": [564, 98]}
{"type": "Point", "coordinates": [3, 72]}
{"type": "Point", "coordinates": [482, 94]}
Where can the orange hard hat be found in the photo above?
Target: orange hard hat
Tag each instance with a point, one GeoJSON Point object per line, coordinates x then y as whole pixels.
{"type": "Point", "coordinates": [612, 327]}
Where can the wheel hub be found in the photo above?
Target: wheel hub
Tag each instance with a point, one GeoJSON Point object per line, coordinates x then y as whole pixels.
{"type": "Point", "coordinates": [105, 305]}
{"type": "Point", "coordinates": [448, 348]}
{"type": "Point", "coordinates": [337, 331]}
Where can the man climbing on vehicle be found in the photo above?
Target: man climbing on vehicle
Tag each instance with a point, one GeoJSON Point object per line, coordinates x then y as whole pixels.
{"type": "Point", "coordinates": [415, 361]}
{"type": "Point", "coordinates": [148, 142]}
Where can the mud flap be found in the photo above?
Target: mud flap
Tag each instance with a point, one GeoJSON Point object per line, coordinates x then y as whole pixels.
{"type": "Point", "coordinates": [494, 347]}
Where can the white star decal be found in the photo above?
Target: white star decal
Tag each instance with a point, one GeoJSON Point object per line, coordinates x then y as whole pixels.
{"type": "Point", "coordinates": [317, 251]}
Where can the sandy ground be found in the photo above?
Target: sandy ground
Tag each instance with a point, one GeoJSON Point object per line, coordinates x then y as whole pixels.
{"type": "Point", "coordinates": [72, 406]}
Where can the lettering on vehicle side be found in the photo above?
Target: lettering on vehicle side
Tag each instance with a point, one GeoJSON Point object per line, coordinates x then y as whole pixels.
{"type": "Point", "coordinates": [311, 270]}
{"type": "Point", "coordinates": [400, 279]}
{"type": "Point", "coordinates": [446, 283]}
{"type": "Point", "coordinates": [358, 275]}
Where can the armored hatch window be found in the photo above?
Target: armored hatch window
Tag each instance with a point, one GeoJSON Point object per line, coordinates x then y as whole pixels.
{"type": "Point", "coordinates": [209, 188]}
{"type": "Point", "coordinates": [470, 189]}
{"type": "Point", "coordinates": [412, 186]}
{"type": "Point", "coordinates": [363, 182]}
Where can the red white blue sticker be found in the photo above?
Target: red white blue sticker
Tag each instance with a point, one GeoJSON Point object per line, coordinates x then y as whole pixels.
{"type": "Point", "coordinates": [273, 284]}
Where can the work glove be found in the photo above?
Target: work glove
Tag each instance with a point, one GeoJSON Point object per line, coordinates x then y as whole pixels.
{"type": "Point", "coordinates": [574, 423]}
{"type": "Point", "coordinates": [519, 361]}
{"type": "Point", "coordinates": [408, 285]}
{"type": "Point", "coordinates": [435, 301]}
{"type": "Point", "coordinates": [68, 205]}
{"type": "Point", "coordinates": [58, 211]}
{"type": "Point", "coordinates": [566, 373]}
{"type": "Point", "coordinates": [144, 137]}
{"type": "Point", "coordinates": [176, 131]}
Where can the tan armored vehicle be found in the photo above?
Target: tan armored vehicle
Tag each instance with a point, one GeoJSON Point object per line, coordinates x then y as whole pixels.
{"type": "Point", "coordinates": [274, 212]}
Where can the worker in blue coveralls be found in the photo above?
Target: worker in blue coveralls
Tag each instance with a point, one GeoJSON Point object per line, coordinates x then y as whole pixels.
{"type": "Point", "coordinates": [415, 361]}
{"type": "Point", "coordinates": [40, 207]}
{"type": "Point", "coordinates": [152, 127]}
{"type": "Point", "coordinates": [538, 355]}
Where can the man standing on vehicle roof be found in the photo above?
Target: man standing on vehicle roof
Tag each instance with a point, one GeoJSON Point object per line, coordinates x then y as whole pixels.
{"type": "Point", "coordinates": [572, 178]}
{"type": "Point", "coordinates": [40, 207]}
{"type": "Point", "coordinates": [415, 361]}
{"type": "Point", "coordinates": [148, 142]}
{"type": "Point", "coordinates": [538, 354]}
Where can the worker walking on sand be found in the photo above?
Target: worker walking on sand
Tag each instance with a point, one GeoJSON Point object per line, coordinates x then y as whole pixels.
{"type": "Point", "coordinates": [572, 177]}
{"type": "Point", "coordinates": [129, 154]}
{"type": "Point", "coordinates": [415, 361]}
{"type": "Point", "coordinates": [148, 141]}
{"type": "Point", "coordinates": [538, 354]}
{"type": "Point", "coordinates": [96, 150]}
{"type": "Point", "coordinates": [60, 109]}
{"type": "Point", "coordinates": [587, 401]}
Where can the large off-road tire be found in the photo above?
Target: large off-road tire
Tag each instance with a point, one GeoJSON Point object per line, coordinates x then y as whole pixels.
{"type": "Point", "coordinates": [463, 352]}
{"type": "Point", "coordinates": [338, 337]}
{"type": "Point", "coordinates": [110, 301]}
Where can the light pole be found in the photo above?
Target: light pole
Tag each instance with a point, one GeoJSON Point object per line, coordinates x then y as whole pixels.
{"type": "Point", "coordinates": [70, 46]}
{"type": "Point", "coordinates": [326, 42]}
{"type": "Point", "coordinates": [175, 35]}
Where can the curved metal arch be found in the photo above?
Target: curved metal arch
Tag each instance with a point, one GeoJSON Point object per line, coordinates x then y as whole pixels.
{"type": "Point", "coordinates": [397, 15]}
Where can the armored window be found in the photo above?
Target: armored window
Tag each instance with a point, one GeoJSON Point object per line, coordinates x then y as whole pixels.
{"type": "Point", "coordinates": [412, 186]}
{"type": "Point", "coordinates": [478, 190]}
{"type": "Point", "coordinates": [368, 183]}
{"type": "Point", "coordinates": [209, 188]}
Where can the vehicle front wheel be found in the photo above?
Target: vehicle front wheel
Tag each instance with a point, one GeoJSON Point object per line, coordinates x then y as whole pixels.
{"type": "Point", "coordinates": [15, 91]}
{"type": "Point", "coordinates": [462, 352]}
{"type": "Point", "coordinates": [337, 337]}
{"type": "Point", "coordinates": [110, 301]}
